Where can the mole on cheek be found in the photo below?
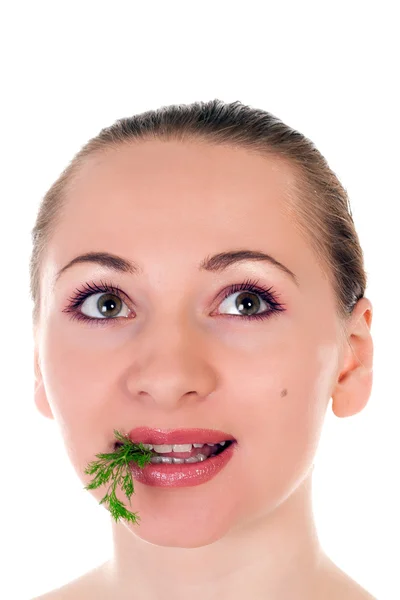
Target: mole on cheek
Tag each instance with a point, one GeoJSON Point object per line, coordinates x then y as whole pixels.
{"type": "Point", "coordinates": [283, 392]}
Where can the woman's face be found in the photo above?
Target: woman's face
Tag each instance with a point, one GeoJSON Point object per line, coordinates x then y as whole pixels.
{"type": "Point", "coordinates": [167, 206]}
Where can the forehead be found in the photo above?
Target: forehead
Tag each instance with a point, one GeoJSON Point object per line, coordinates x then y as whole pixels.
{"type": "Point", "coordinates": [180, 202]}
{"type": "Point", "coordinates": [194, 183]}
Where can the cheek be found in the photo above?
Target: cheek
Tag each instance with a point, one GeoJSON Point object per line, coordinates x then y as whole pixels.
{"type": "Point", "coordinates": [77, 384]}
{"type": "Point", "coordinates": [77, 368]}
{"type": "Point", "coordinates": [278, 440]}
{"type": "Point", "coordinates": [281, 418]}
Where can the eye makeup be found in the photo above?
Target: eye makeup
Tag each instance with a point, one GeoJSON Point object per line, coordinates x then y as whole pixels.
{"type": "Point", "coordinates": [268, 295]}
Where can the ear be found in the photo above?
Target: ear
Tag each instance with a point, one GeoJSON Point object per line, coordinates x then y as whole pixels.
{"type": "Point", "coordinates": [40, 393]}
{"type": "Point", "coordinates": [353, 387]}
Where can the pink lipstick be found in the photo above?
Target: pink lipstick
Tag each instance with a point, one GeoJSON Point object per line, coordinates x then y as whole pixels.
{"type": "Point", "coordinates": [183, 474]}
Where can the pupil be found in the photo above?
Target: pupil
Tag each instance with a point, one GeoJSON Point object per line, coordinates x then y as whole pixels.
{"type": "Point", "coordinates": [247, 304]}
{"type": "Point", "coordinates": [106, 303]}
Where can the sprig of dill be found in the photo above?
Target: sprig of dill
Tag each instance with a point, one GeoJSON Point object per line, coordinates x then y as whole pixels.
{"type": "Point", "coordinates": [112, 466]}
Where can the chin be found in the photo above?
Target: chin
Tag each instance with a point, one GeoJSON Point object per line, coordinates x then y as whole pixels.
{"type": "Point", "coordinates": [176, 532]}
{"type": "Point", "coordinates": [174, 539]}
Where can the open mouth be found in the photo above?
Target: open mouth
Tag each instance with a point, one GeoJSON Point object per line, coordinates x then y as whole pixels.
{"type": "Point", "coordinates": [184, 453]}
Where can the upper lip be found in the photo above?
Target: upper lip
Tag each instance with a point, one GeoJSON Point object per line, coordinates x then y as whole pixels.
{"type": "Point", "coordinates": [146, 435]}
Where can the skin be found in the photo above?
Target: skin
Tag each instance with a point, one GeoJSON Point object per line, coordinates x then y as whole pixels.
{"type": "Point", "coordinates": [250, 531]}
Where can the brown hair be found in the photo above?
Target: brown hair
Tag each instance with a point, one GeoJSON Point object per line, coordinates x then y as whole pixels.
{"type": "Point", "coordinates": [320, 207]}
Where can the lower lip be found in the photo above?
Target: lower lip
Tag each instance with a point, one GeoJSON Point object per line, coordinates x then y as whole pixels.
{"type": "Point", "coordinates": [182, 475]}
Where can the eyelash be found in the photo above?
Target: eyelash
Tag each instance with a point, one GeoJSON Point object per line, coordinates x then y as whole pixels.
{"type": "Point", "coordinates": [267, 295]}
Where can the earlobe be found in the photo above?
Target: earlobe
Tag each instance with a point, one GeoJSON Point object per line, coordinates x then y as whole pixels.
{"type": "Point", "coordinates": [40, 397]}
{"type": "Point", "coordinates": [354, 383]}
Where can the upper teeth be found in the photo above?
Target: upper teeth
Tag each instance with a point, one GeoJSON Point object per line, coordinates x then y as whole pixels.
{"type": "Point", "coordinates": [164, 448]}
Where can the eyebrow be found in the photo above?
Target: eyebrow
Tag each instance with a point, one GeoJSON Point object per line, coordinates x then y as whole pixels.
{"type": "Point", "coordinates": [215, 264]}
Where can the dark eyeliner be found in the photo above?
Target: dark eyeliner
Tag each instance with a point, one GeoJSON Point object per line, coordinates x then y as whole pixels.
{"type": "Point", "coordinates": [251, 286]}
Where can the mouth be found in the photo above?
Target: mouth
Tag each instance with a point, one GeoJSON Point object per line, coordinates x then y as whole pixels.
{"type": "Point", "coordinates": [180, 446]}
{"type": "Point", "coordinates": [146, 435]}
{"type": "Point", "coordinates": [184, 453]}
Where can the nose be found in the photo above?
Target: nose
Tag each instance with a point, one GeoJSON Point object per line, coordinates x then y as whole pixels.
{"type": "Point", "coordinates": [172, 364]}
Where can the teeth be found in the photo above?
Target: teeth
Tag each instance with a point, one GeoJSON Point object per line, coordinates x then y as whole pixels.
{"type": "Point", "coordinates": [162, 448]}
{"type": "Point", "coordinates": [166, 448]}
{"type": "Point", "coordinates": [169, 460]}
{"type": "Point", "coordinates": [182, 448]}
{"type": "Point", "coordinates": [198, 458]}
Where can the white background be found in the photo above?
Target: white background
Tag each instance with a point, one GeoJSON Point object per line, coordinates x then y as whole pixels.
{"type": "Point", "coordinates": [328, 69]}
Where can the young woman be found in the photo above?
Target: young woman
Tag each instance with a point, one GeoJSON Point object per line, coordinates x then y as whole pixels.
{"type": "Point", "coordinates": [197, 279]}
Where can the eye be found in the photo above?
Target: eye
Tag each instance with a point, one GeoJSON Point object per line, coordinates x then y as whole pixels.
{"type": "Point", "coordinates": [94, 300]}
{"type": "Point", "coordinates": [108, 305]}
{"type": "Point", "coordinates": [100, 304]}
{"type": "Point", "coordinates": [249, 300]}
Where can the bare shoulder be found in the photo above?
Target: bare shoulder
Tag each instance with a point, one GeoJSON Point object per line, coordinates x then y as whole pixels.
{"type": "Point", "coordinates": [89, 586]}
{"type": "Point", "coordinates": [62, 593]}
{"type": "Point", "coordinates": [69, 591]}
{"type": "Point", "coordinates": [335, 584]}
{"type": "Point", "coordinates": [53, 595]}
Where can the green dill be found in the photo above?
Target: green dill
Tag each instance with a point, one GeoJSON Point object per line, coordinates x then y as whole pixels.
{"type": "Point", "coordinates": [115, 466]}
